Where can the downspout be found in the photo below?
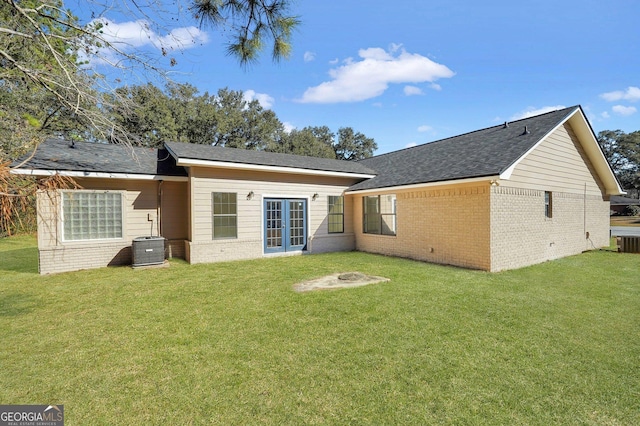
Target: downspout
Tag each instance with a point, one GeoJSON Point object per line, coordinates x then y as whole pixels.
{"type": "Point", "coordinates": [584, 219]}
{"type": "Point", "coordinates": [159, 208]}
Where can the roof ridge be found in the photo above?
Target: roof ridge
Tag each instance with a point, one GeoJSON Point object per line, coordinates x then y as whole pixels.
{"type": "Point", "coordinates": [253, 151]}
{"type": "Point", "coordinates": [471, 132]}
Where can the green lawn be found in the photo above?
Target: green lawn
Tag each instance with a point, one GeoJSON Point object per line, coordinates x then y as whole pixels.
{"type": "Point", "coordinates": [231, 343]}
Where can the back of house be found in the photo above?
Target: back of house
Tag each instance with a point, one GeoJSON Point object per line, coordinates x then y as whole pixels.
{"type": "Point", "coordinates": [498, 198]}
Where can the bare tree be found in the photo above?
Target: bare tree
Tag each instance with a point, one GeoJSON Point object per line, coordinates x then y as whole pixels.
{"type": "Point", "coordinates": [44, 47]}
{"type": "Point", "coordinates": [48, 85]}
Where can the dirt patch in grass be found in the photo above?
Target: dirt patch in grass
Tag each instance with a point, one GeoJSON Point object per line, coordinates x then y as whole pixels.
{"type": "Point", "coordinates": [340, 280]}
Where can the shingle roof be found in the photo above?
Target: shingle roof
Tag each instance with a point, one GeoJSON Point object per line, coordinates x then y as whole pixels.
{"type": "Point", "coordinates": [483, 153]}
{"type": "Point", "coordinates": [486, 152]}
{"type": "Point", "coordinates": [261, 158]}
{"type": "Point", "coordinates": [62, 155]}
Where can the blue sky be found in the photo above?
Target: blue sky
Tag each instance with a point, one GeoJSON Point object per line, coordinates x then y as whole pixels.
{"type": "Point", "coordinates": [410, 72]}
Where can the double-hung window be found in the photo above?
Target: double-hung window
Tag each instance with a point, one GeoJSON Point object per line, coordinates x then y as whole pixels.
{"type": "Point", "coordinates": [336, 214]}
{"type": "Point", "coordinates": [91, 215]}
{"type": "Point", "coordinates": [225, 215]}
{"type": "Point", "coordinates": [379, 214]}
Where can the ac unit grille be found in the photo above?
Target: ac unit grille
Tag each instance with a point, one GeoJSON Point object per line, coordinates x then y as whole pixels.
{"type": "Point", "coordinates": [147, 251]}
{"type": "Point", "coordinates": [629, 244]}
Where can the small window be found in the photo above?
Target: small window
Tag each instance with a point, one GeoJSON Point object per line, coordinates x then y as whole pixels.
{"type": "Point", "coordinates": [91, 215]}
{"type": "Point", "coordinates": [379, 214]}
{"type": "Point", "coordinates": [336, 214]}
{"type": "Point", "coordinates": [548, 204]}
{"type": "Point", "coordinates": [225, 215]}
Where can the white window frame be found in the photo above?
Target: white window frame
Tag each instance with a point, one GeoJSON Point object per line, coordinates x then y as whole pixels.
{"type": "Point", "coordinates": [85, 191]}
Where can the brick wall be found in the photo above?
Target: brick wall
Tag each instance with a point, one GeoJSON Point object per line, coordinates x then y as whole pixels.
{"type": "Point", "coordinates": [94, 254]}
{"type": "Point", "coordinates": [223, 250]}
{"type": "Point", "coordinates": [448, 225]}
{"type": "Point", "coordinates": [521, 235]}
{"type": "Point", "coordinates": [331, 243]}
{"type": "Point", "coordinates": [73, 258]}
{"type": "Point", "coordinates": [175, 249]}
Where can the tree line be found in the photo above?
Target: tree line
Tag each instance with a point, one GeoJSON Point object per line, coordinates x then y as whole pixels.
{"type": "Point", "coordinates": [622, 150]}
{"type": "Point", "coordinates": [180, 114]}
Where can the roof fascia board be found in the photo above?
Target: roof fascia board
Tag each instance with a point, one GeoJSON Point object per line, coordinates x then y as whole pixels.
{"type": "Point", "coordinates": [173, 154]}
{"type": "Point", "coordinates": [103, 175]}
{"type": "Point", "coordinates": [595, 154]}
{"type": "Point", "coordinates": [187, 162]}
{"type": "Point", "coordinates": [426, 185]}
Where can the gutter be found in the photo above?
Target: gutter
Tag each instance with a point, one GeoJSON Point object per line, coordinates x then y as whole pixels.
{"type": "Point", "coordinates": [425, 185]}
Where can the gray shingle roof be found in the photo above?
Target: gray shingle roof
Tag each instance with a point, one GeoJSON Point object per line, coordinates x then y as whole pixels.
{"type": "Point", "coordinates": [486, 152]}
{"type": "Point", "coordinates": [62, 155]}
{"type": "Point", "coordinates": [261, 158]}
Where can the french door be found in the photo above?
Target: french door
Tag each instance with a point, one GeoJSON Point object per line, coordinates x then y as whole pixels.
{"type": "Point", "coordinates": [285, 225]}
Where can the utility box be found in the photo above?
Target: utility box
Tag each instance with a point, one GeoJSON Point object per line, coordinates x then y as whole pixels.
{"type": "Point", "coordinates": [629, 244]}
{"type": "Point", "coordinates": [147, 251]}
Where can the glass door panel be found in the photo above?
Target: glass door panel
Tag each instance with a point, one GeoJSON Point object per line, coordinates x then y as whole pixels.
{"type": "Point", "coordinates": [273, 225]}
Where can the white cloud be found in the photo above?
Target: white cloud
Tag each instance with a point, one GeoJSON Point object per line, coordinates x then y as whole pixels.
{"type": "Point", "coordinates": [126, 36]}
{"type": "Point", "coordinates": [631, 94]}
{"type": "Point", "coordinates": [263, 99]}
{"type": "Point", "coordinates": [412, 90]}
{"type": "Point", "coordinates": [605, 115]}
{"type": "Point", "coordinates": [334, 61]}
{"type": "Point", "coordinates": [425, 128]}
{"type": "Point", "coordinates": [139, 33]}
{"type": "Point", "coordinates": [288, 127]}
{"type": "Point", "coordinates": [624, 110]}
{"type": "Point", "coordinates": [309, 56]}
{"type": "Point", "coordinates": [410, 145]}
{"type": "Point", "coordinates": [436, 86]}
{"type": "Point", "coordinates": [358, 80]}
{"type": "Point", "coordinates": [532, 111]}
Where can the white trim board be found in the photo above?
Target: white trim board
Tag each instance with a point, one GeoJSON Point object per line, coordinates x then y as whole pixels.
{"type": "Point", "coordinates": [425, 185]}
